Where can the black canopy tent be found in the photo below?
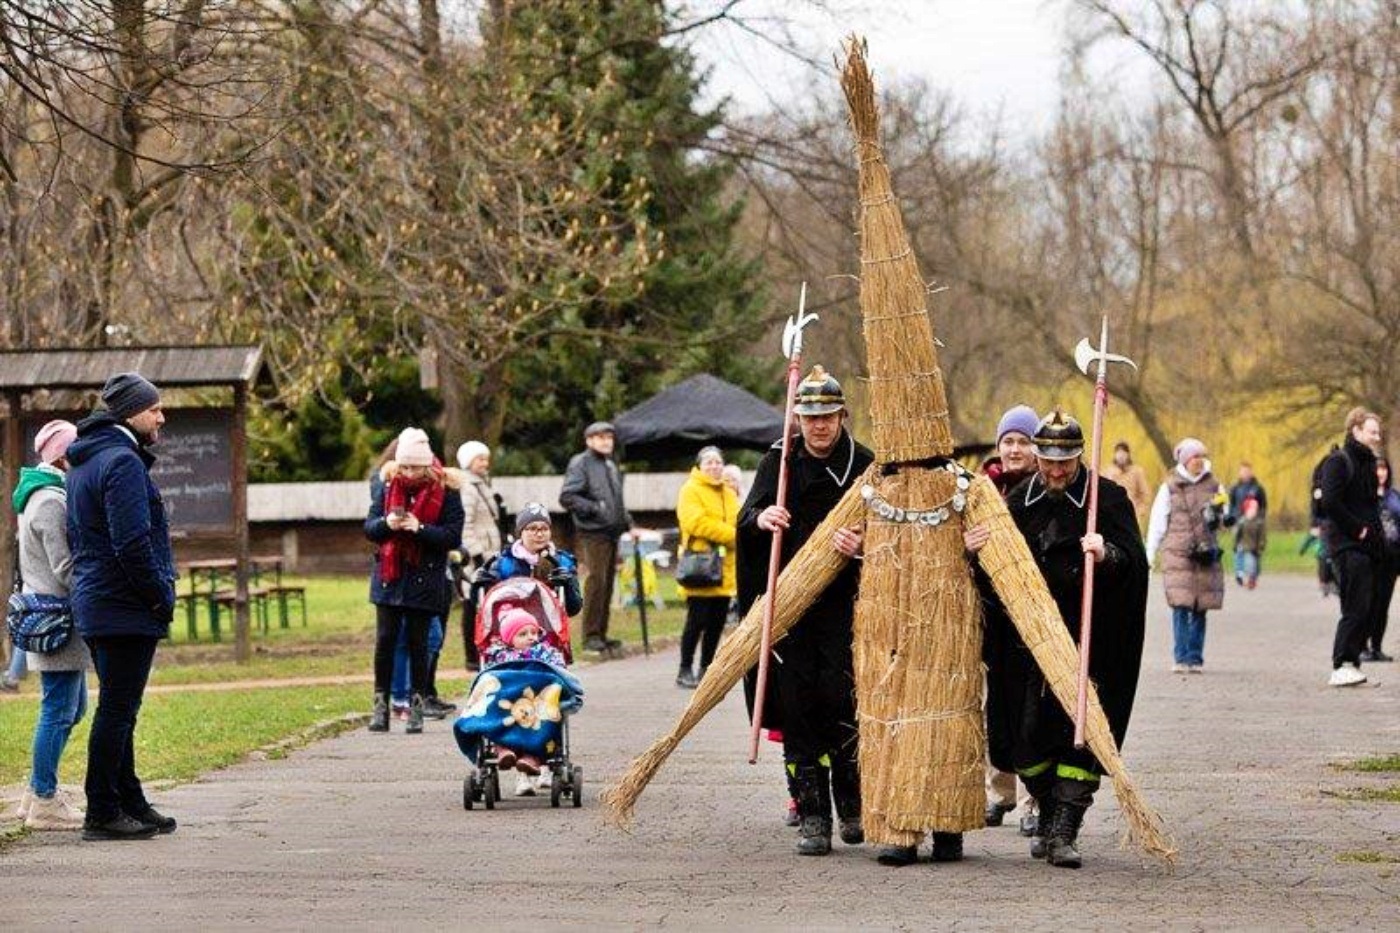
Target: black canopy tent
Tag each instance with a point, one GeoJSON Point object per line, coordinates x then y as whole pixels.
{"type": "Point", "coordinates": [703, 409]}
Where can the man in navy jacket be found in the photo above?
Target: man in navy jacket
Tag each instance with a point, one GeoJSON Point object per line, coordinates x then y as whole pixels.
{"type": "Point", "coordinates": [123, 592]}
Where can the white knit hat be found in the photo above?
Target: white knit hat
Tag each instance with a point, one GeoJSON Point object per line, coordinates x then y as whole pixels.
{"type": "Point", "coordinates": [414, 448]}
{"type": "Point", "coordinates": [469, 452]}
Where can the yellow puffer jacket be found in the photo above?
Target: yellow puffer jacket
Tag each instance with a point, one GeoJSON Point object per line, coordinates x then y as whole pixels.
{"type": "Point", "coordinates": [708, 512]}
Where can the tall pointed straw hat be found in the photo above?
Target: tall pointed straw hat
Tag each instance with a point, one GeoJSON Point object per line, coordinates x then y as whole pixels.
{"type": "Point", "coordinates": [908, 405]}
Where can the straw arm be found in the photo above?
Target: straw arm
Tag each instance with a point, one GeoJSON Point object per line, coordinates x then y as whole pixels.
{"type": "Point", "coordinates": [1014, 575]}
{"type": "Point", "coordinates": [809, 572]}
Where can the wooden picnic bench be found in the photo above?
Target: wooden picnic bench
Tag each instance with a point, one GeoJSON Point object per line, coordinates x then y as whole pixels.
{"type": "Point", "coordinates": [210, 587]}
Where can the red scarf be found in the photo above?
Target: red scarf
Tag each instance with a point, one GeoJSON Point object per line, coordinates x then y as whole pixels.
{"type": "Point", "coordinates": [424, 500]}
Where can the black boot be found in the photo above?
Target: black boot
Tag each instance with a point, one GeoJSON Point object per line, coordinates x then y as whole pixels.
{"type": "Point", "coordinates": [415, 715]}
{"type": "Point", "coordinates": [947, 847]}
{"type": "Point", "coordinates": [686, 679]}
{"type": "Point", "coordinates": [814, 808]}
{"type": "Point", "coordinates": [379, 717]}
{"type": "Point", "coordinates": [1040, 844]}
{"type": "Point", "coordinates": [845, 792]}
{"type": "Point", "coordinates": [1064, 832]}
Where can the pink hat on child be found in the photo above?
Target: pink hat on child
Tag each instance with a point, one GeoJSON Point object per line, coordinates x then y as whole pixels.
{"type": "Point", "coordinates": [513, 621]}
{"type": "Point", "coordinates": [53, 439]}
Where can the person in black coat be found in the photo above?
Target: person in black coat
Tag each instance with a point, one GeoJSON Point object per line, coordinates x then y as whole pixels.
{"type": "Point", "coordinates": [1351, 528]}
{"type": "Point", "coordinates": [1028, 731]}
{"type": "Point", "coordinates": [816, 686]}
{"type": "Point", "coordinates": [415, 519]}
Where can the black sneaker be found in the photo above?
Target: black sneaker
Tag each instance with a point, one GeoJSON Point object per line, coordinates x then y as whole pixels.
{"type": "Point", "coordinates": [165, 825]}
{"type": "Point", "coordinates": [1377, 655]}
{"type": "Point", "coordinates": [119, 828]}
{"type": "Point", "coordinates": [897, 856]}
{"type": "Point", "coordinates": [614, 644]}
{"type": "Point", "coordinates": [434, 708]}
{"type": "Point", "coordinates": [1369, 655]}
{"type": "Point", "coordinates": [595, 643]}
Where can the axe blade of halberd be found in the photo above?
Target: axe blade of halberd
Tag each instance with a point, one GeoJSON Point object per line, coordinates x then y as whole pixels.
{"type": "Point", "coordinates": [1085, 357]}
{"type": "Point", "coordinates": [792, 330]}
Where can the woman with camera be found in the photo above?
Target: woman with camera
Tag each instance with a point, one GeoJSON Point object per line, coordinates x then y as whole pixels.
{"type": "Point", "coordinates": [1190, 509]}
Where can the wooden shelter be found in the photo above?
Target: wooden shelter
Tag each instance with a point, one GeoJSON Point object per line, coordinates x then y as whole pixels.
{"type": "Point", "coordinates": [29, 380]}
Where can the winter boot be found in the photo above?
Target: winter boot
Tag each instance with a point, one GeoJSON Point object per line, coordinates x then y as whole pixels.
{"type": "Point", "coordinates": [379, 716]}
{"type": "Point", "coordinates": [947, 847]}
{"type": "Point", "coordinates": [814, 806]}
{"type": "Point", "coordinates": [845, 791]}
{"type": "Point", "coordinates": [1064, 832]}
{"type": "Point", "coordinates": [1040, 844]}
{"type": "Point", "coordinates": [415, 716]}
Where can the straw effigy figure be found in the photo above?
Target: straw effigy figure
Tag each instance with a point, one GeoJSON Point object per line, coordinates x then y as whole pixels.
{"type": "Point", "coordinates": [917, 632]}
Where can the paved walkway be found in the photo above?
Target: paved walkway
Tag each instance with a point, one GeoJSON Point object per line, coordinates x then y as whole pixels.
{"type": "Point", "coordinates": [367, 831]}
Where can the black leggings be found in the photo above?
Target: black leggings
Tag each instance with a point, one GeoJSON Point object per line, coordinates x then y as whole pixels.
{"type": "Point", "coordinates": [704, 624]}
{"type": "Point", "coordinates": [415, 622]}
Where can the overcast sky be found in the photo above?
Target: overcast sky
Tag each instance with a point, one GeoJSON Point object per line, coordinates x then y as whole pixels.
{"type": "Point", "coordinates": [994, 56]}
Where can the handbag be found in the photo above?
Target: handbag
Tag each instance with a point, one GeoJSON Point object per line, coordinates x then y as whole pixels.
{"type": "Point", "coordinates": [700, 569]}
{"type": "Point", "coordinates": [38, 622]}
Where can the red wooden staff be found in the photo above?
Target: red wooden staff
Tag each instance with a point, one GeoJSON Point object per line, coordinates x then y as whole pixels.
{"type": "Point", "coordinates": [792, 349]}
{"type": "Point", "coordinates": [1086, 356]}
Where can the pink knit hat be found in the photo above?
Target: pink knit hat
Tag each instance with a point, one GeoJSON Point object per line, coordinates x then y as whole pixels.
{"type": "Point", "coordinates": [513, 621]}
{"type": "Point", "coordinates": [414, 448]}
{"type": "Point", "coordinates": [53, 439]}
{"type": "Point", "coordinates": [1188, 448]}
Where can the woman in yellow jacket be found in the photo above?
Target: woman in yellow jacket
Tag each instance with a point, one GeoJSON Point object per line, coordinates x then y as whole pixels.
{"type": "Point", "coordinates": [708, 512]}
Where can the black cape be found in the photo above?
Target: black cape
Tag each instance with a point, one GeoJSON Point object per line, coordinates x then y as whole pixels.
{"type": "Point", "coordinates": [814, 488]}
{"type": "Point", "coordinates": [1025, 724]}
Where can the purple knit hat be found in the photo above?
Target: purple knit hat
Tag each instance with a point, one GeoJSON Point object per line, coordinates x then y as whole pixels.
{"type": "Point", "coordinates": [1021, 418]}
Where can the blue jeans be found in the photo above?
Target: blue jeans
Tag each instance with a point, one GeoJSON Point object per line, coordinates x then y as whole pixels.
{"type": "Point", "coordinates": [61, 707]}
{"type": "Point", "coordinates": [1246, 565]}
{"type": "Point", "coordinates": [1188, 635]}
{"type": "Point", "coordinates": [123, 664]}
{"type": "Point", "coordinates": [398, 690]}
{"type": "Point", "coordinates": [17, 666]}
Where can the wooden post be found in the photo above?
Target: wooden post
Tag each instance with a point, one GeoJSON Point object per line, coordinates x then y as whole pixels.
{"type": "Point", "coordinates": [243, 648]}
{"type": "Point", "coordinates": [12, 455]}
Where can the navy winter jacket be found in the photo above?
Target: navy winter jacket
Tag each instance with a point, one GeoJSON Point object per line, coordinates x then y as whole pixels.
{"type": "Point", "coordinates": [123, 569]}
{"type": "Point", "coordinates": [426, 586]}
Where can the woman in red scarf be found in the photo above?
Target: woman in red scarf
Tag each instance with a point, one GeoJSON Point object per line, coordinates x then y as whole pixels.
{"type": "Point", "coordinates": [415, 518]}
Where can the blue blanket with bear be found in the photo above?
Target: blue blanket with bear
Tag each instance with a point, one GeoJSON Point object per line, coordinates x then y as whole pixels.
{"type": "Point", "coordinates": [518, 704]}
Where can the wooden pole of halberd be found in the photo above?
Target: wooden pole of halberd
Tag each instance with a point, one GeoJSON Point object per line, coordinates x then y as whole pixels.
{"type": "Point", "coordinates": [243, 648]}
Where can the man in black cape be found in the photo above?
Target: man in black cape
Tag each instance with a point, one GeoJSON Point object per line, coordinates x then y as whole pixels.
{"type": "Point", "coordinates": [1028, 731]}
{"type": "Point", "coordinates": [815, 681]}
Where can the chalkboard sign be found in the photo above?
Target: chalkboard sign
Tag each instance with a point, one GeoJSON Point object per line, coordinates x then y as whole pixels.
{"type": "Point", "coordinates": [193, 468]}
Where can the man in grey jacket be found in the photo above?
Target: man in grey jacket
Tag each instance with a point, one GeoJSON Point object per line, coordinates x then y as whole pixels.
{"type": "Point", "coordinates": [592, 494]}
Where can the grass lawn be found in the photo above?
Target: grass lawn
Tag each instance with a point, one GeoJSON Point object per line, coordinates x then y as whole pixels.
{"type": "Point", "coordinates": [183, 735]}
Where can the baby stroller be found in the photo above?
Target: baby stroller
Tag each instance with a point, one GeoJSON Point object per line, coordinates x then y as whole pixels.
{"type": "Point", "coordinates": [520, 704]}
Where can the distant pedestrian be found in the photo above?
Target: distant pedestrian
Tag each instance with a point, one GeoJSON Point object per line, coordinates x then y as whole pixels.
{"type": "Point", "coordinates": [1251, 532]}
{"type": "Point", "coordinates": [1351, 527]}
{"type": "Point", "coordinates": [1390, 565]}
{"type": "Point", "coordinates": [1190, 509]}
{"type": "Point", "coordinates": [734, 479]}
{"type": "Point", "coordinates": [1123, 471]}
{"type": "Point", "coordinates": [1326, 573]}
{"type": "Point", "coordinates": [707, 512]}
{"type": "Point", "coordinates": [123, 592]}
{"type": "Point", "coordinates": [415, 519]}
{"type": "Point", "coordinates": [46, 566]}
{"type": "Point", "coordinates": [481, 529]}
{"type": "Point", "coordinates": [592, 493]}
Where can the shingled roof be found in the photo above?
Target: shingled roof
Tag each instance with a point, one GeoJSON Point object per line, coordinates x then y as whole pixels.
{"type": "Point", "coordinates": [89, 368]}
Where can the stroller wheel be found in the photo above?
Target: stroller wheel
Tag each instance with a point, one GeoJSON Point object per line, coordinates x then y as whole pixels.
{"type": "Point", "coordinates": [468, 790]}
{"type": "Point", "coordinates": [576, 785]}
{"type": "Point", "coordinates": [556, 789]}
{"type": "Point", "coordinates": [492, 789]}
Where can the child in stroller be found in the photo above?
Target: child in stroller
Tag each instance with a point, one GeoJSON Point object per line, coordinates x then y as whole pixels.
{"type": "Point", "coordinates": [516, 715]}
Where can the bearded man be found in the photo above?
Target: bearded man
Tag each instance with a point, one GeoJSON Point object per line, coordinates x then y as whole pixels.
{"type": "Point", "coordinates": [1033, 736]}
